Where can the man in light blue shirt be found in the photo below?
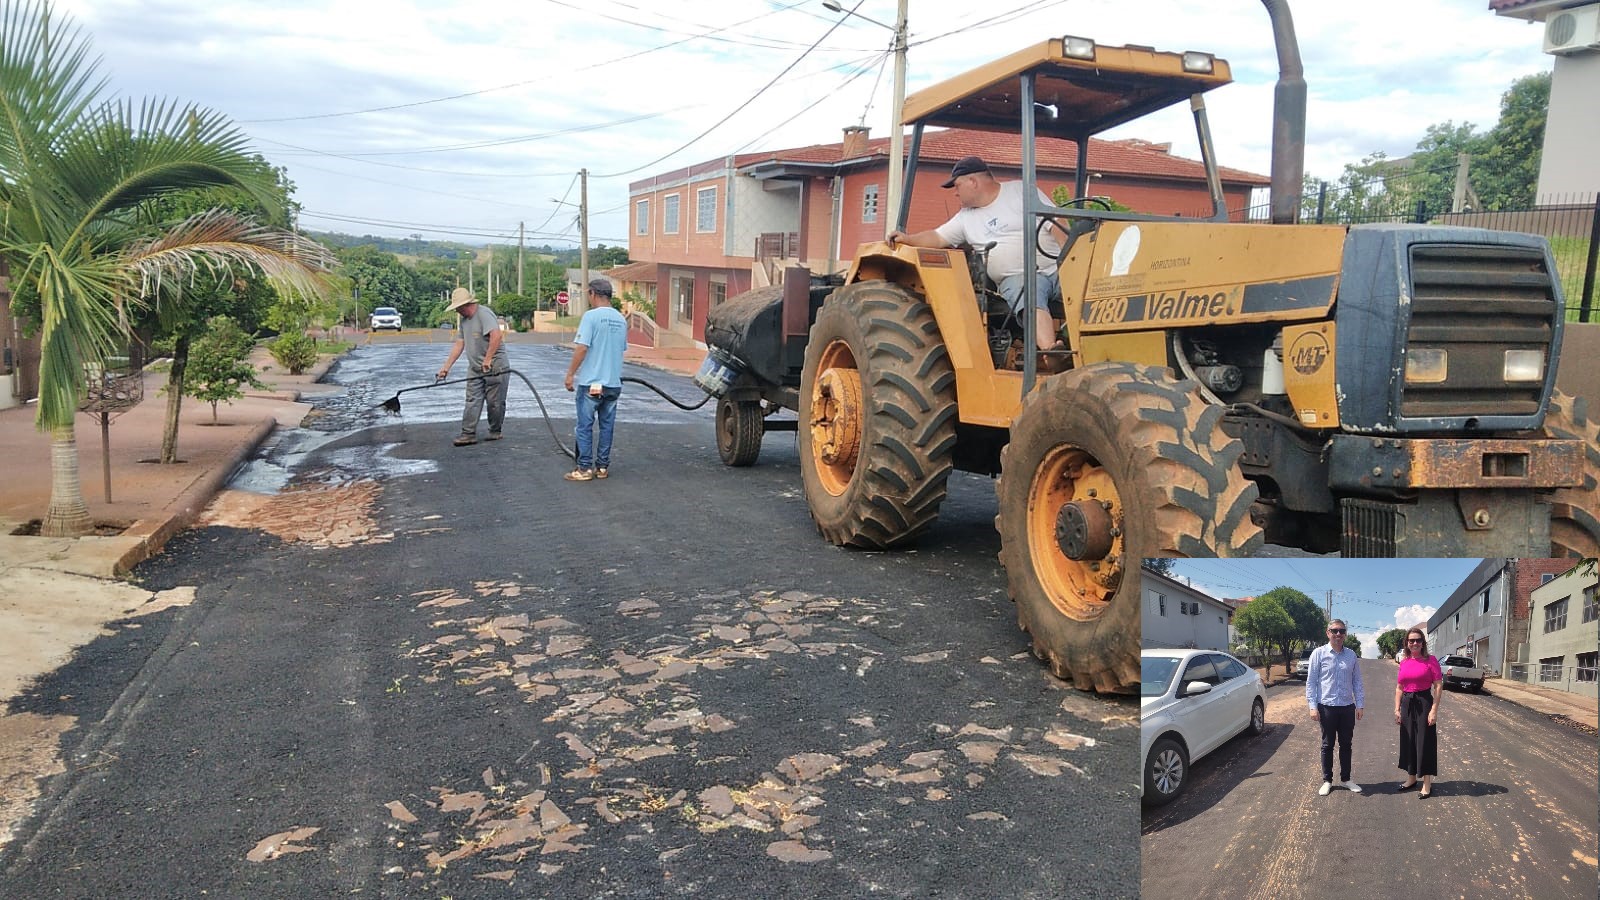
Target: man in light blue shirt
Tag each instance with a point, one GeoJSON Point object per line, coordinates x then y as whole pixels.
{"type": "Point", "coordinates": [1336, 698]}
{"type": "Point", "coordinates": [597, 366]}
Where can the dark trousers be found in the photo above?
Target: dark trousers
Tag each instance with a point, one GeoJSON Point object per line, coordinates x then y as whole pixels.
{"type": "Point", "coordinates": [1419, 741]}
{"type": "Point", "coordinates": [1338, 722]}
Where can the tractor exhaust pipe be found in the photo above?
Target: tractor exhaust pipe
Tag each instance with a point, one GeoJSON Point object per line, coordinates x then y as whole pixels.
{"type": "Point", "coordinates": [1288, 118]}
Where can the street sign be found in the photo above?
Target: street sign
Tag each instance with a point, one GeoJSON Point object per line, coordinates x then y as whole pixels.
{"type": "Point", "coordinates": [561, 297]}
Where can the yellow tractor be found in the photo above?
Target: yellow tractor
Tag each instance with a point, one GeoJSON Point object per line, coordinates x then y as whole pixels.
{"type": "Point", "coordinates": [1381, 390]}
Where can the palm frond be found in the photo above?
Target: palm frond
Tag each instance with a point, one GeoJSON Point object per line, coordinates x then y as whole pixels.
{"type": "Point", "coordinates": [218, 240]}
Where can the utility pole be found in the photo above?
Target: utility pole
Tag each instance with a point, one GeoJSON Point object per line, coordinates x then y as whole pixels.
{"type": "Point", "coordinates": [583, 226]}
{"type": "Point", "coordinates": [519, 257]}
{"type": "Point", "coordinates": [471, 289]}
{"type": "Point", "coordinates": [897, 156]}
{"type": "Point", "coordinates": [490, 277]}
{"type": "Point", "coordinates": [1330, 606]}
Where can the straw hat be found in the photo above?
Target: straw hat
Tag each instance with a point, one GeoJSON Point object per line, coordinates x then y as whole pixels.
{"type": "Point", "coordinates": [460, 297]}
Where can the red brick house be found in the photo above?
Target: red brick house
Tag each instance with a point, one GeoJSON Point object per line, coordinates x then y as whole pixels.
{"type": "Point", "coordinates": [721, 227]}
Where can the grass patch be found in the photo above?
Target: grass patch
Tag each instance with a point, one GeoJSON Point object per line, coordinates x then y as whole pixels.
{"type": "Point", "coordinates": [1572, 255]}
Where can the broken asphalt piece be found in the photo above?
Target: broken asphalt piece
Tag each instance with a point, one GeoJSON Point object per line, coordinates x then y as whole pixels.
{"type": "Point", "coordinates": [279, 844]}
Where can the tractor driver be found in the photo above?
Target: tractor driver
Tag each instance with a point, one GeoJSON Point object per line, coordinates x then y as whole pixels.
{"type": "Point", "coordinates": [992, 210]}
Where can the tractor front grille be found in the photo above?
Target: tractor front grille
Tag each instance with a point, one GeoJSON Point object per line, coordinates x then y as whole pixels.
{"type": "Point", "coordinates": [1476, 301]}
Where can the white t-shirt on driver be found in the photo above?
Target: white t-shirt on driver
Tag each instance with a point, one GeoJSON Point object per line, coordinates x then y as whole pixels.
{"type": "Point", "coordinates": [1005, 223]}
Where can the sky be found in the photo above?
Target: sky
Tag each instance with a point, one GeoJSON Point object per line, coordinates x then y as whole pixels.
{"type": "Point", "coordinates": [460, 121]}
{"type": "Point", "coordinates": [1370, 595]}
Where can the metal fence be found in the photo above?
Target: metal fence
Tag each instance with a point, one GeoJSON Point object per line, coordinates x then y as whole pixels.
{"type": "Point", "coordinates": [1570, 222]}
{"type": "Point", "coordinates": [1583, 680]}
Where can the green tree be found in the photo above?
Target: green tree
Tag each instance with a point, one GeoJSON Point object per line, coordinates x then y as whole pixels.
{"type": "Point", "coordinates": [1307, 618]}
{"type": "Point", "coordinates": [218, 366]}
{"type": "Point", "coordinates": [1391, 642]}
{"type": "Point", "coordinates": [1507, 174]}
{"type": "Point", "coordinates": [516, 308]}
{"type": "Point", "coordinates": [1354, 643]}
{"type": "Point", "coordinates": [1266, 624]}
{"type": "Point", "coordinates": [1160, 565]}
{"type": "Point", "coordinates": [74, 169]}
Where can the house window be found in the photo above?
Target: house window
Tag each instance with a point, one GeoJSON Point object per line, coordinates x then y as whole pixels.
{"type": "Point", "coordinates": [1555, 616]}
{"type": "Point", "coordinates": [1550, 668]}
{"type": "Point", "coordinates": [641, 217]}
{"type": "Point", "coordinates": [1161, 604]}
{"type": "Point", "coordinates": [1591, 603]}
{"type": "Point", "coordinates": [719, 292]}
{"type": "Point", "coordinates": [869, 203]}
{"type": "Point", "coordinates": [669, 214]}
{"type": "Point", "coordinates": [1485, 602]}
{"type": "Point", "coordinates": [1456, 621]}
{"type": "Point", "coordinates": [705, 210]}
{"type": "Point", "coordinates": [1545, 578]}
{"type": "Point", "coordinates": [1587, 664]}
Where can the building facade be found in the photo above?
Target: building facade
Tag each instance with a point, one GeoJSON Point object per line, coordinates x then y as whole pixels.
{"type": "Point", "coordinates": [1472, 622]}
{"type": "Point", "coordinates": [1564, 646]}
{"type": "Point", "coordinates": [1525, 575]}
{"type": "Point", "coordinates": [721, 227]}
{"type": "Point", "coordinates": [1178, 615]}
{"type": "Point", "coordinates": [1569, 30]}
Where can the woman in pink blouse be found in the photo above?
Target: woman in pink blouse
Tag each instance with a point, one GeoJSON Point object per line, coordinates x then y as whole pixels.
{"type": "Point", "coordinates": [1416, 711]}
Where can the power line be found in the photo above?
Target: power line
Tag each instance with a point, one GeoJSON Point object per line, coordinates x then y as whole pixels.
{"type": "Point", "coordinates": [516, 84]}
{"type": "Point", "coordinates": [498, 142]}
{"type": "Point", "coordinates": [719, 123]}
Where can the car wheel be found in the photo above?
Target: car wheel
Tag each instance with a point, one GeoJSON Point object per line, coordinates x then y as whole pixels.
{"type": "Point", "coordinates": [1166, 770]}
{"type": "Point", "coordinates": [1258, 717]}
{"type": "Point", "coordinates": [1477, 688]}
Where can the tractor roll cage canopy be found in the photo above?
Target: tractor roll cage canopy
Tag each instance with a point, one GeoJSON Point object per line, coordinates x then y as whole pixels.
{"type": "Point", "coordinates": [1076, 89]}
{"type": "Point", "coordinates": [1095, 89]}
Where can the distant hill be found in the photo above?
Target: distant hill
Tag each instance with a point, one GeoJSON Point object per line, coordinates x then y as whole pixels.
{"type": "Point", "coordinates": [415, 247]}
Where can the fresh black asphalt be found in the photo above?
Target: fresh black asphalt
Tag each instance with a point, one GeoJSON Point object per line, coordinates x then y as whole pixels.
{"type": "Point", "coordinates": [660, 684]}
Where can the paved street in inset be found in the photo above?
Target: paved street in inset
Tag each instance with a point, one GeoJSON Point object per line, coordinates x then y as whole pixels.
{"type": "Point", "coordinates": [1513, 814]}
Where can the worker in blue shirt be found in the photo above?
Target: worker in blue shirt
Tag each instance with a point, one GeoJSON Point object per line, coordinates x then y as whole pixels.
{"type": "Point", "coordinates": [1333, 691]}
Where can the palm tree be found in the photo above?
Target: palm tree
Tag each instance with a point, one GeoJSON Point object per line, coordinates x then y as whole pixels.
{"type": "Point", "coordinates": [73, 171]}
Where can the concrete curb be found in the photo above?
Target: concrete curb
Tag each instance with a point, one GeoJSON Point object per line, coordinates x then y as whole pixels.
{"type": "Point", "coordinates": [153, 534]}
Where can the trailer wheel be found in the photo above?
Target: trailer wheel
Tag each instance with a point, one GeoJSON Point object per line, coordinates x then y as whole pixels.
{"type": "Point", "coordinates": [878, 400]}
{"type": "Point", "coordinates": [1575, 511]}
{"type": "Point", "coordinates": [1108, 465]}
{"type": "Point", "coordinates": [739, 430]}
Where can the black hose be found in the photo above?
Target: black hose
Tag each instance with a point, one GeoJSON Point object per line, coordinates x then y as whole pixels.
{"type": "Point", "coordinates": [392, 405]}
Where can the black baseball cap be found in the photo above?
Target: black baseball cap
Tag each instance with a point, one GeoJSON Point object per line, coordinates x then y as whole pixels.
{"type": "Point", "coordinates": [601, 286]}
{"type": "Point", "coordinates": [966, 165]}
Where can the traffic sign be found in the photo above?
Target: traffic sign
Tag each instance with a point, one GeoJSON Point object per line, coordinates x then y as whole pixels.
{"type": "Point", "coordinates": [561, 297]}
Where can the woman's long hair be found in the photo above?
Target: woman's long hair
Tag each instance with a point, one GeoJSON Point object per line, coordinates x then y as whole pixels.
{"type": "Point", "coordinates": [1421, 654]}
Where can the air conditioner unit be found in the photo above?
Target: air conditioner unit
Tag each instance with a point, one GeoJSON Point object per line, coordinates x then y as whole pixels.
{"type": "Point", "coordinates": [1573, 30]}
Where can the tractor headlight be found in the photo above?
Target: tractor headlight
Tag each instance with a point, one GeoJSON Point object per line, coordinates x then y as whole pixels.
{"type": "Point", "coordinates": [1077, 47]}
{"type": "Point", "coordinates": [1426, 365]}
{"type": "Point", "coordinates": [1524, 365]}
{"type": "Point", "coordinates": [1200, 63]}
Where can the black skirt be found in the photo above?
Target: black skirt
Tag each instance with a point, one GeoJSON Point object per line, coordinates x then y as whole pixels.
{"type": "Point", "coordinates": [1419, 749]}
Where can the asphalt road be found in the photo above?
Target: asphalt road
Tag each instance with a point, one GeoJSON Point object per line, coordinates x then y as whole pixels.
{"type": "Point", "coordinates": [448, 672]}
{"type": "Point", "coordinates": [1513, 814]}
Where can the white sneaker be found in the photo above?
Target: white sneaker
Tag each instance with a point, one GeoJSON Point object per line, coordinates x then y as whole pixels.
{"type": "Point", "coordinates": [1353, 787]}
{"type": "Point", "coordinates": [1326, 787]}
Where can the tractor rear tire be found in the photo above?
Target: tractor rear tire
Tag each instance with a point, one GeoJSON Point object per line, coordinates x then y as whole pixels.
{"type": "Point", "coordinates": [878, 403]}
{"type": "Point", "coordinates": [739, 429]}
{"type": "Point", "coordinates": [1575, 511]}
{"type": "Point", "coordinates": [1108, 465]}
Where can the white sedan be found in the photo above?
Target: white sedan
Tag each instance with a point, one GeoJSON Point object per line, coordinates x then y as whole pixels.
{"type": "Point", "coordinates": [1191, 702]}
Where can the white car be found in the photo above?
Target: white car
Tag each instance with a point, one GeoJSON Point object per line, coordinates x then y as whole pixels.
{"type": "Point", "coordinates": [1192, 701]}
{"type": "Point", "coordinates": [385, 317]}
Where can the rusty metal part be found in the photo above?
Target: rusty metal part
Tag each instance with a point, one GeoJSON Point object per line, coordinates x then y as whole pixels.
{"type": "Point", "coordinates": [1084, 530]}
{"type": "Point", "coordinates": [1071, 487]}
{"type": "Point", "coordinates": [1381, 463]}
{"type": "Point", "coordinates": [837, 418]}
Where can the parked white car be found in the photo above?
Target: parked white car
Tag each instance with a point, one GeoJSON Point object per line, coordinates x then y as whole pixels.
{"type": "Point", "coordinates": [385, 317]}
{"type": "Point", "coordinates": [1192, 701]}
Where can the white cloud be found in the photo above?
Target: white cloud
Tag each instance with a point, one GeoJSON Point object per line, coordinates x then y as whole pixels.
{"type": "Point", "coordinates": [1415, 614]}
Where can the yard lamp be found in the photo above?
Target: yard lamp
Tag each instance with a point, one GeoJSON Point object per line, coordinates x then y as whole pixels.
{"type": "Point", "coordinates": [896, 133]}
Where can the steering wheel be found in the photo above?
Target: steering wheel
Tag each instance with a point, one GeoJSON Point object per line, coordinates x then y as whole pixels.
{"type": "Point", "coordinates": [1102, 202]}
{"type": "Point", "coordinates": [1080, 202]}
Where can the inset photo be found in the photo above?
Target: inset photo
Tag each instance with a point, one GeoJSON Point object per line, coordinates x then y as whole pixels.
{"type": "Point", "coordinates": [1369, 727]}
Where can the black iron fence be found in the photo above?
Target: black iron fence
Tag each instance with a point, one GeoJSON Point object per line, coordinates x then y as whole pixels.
{"type": "Point", "coordinates": [1571, 223]}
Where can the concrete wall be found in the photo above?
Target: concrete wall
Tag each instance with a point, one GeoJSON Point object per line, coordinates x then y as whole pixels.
{"type": "Point", "coordinates": [1567, 642]}
{"type": "Point", "coordinates": [1572, 130]}
{"type": "Point", "coordinates": [1208, 630]}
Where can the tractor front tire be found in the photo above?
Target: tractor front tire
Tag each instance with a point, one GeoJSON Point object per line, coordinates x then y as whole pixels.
{"type": "Point", "coordinates": [739, 429]}
{"type": "Point", "coordinates": [878, 405]}
{"type": "Point", "coordinates": [1575, 511]}
{"type": "Point", "coordinates": [1108, 465]}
